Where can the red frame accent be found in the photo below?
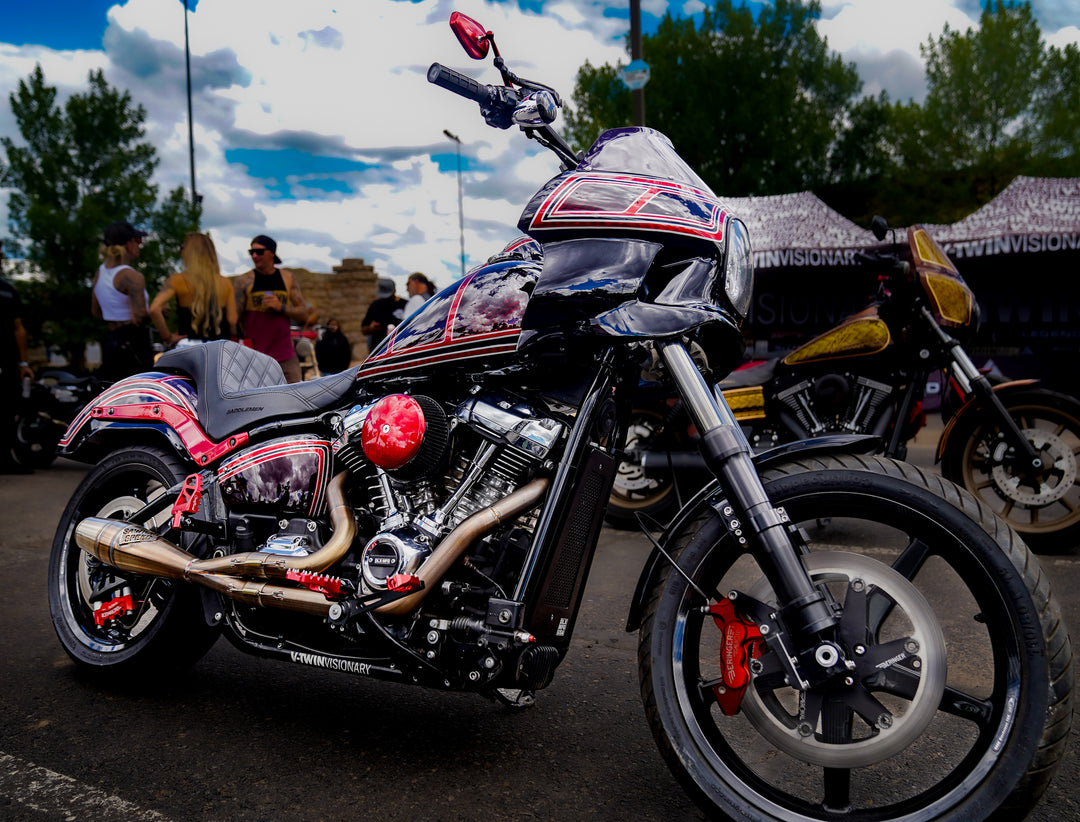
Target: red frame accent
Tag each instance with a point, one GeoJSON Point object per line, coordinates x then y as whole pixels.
{"type": "Point", "coordinates": [203, 449]}
{"type": "Point", "coordinates": [188, 500]}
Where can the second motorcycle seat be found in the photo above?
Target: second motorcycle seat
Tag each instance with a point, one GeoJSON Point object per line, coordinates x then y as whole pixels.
{"type": "Point", "coordinates": [240, 387]}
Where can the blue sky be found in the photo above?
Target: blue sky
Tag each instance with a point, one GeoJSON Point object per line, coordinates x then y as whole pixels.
{"type": "Point", "coordinates": [314, 123]}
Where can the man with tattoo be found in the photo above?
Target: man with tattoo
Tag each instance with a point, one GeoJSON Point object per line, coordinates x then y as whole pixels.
{"type": "Point", "coordinates": [269, 298]}
{"type": "Point", "coordinates": [119, 298]}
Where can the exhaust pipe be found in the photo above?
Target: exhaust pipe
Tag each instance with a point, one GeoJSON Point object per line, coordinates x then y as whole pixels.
{"type": "Point", "coordinates": [134, 548]}
{"type": "Point", "coordinates": [453, 546]}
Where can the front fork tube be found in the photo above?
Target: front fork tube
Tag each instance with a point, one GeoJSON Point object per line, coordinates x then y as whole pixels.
{"type": "Point", "coordinates": [973, 382]}
{"type": "Point", "coordinates": [805, 610]}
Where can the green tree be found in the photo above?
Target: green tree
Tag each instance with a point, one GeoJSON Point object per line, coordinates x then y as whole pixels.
{"type": "Point", "coordinates": [981, 87]}
{"type": "Point", "coordinates": [753, 106]}
{"type": "Point", "coordinates": [1054, 128]}
{"type": "Point", "coordinates": [999, 103]}
{"type": "Point", "coordinates": [80, 167]}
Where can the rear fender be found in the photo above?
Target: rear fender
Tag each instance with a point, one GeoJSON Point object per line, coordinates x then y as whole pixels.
{"type": "Point", "coordinates": [970, 408]}
{"type": "Point", "coordinates": [710, 498]}
{"type": "Point", "coordinates": [145, 407]}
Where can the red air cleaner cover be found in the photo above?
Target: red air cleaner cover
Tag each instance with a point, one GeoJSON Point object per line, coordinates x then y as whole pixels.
{"type": "Point", "coordinates": [393, 431]}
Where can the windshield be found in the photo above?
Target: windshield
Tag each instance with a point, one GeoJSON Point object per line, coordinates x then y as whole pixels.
{"type": "Point", "coordinates": [639, 151]}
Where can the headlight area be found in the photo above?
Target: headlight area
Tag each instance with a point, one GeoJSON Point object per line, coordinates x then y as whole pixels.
{"type": "Point", "coordinates": [738, 267]}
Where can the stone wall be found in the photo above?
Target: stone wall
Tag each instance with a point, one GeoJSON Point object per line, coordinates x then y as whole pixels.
{"type": "Point", "coordinates": [344, 295]}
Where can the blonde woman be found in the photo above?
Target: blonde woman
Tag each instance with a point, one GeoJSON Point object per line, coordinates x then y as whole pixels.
{"type": "Point", "coordinates": [119, 298]}
{"type": "Point", "coordinates": [204, 298]}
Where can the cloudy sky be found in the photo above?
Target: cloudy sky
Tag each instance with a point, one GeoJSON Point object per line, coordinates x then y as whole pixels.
{"type": "Point", "coordinates": [314, 122]}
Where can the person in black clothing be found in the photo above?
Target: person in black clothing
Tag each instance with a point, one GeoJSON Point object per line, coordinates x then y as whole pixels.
{"type": "Point", "coordinates": [13, 369]}
{"type": "Point", "coordinates": [333, 351]}
{"type": "Point", "coordinates": [386, 311]}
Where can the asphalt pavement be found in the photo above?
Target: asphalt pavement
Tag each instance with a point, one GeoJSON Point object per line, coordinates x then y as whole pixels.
{"type": "Point", "coordinates": [243, 738]}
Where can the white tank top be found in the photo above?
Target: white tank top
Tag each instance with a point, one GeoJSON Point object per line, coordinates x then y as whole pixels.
{"type": "Point", "coordinates": [115, 306]}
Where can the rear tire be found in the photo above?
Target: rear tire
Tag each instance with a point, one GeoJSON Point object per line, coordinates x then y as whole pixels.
{"type": "Point", "coordinates": [992, 742]}
{"type": "Point", "coordinates": [166, 631]}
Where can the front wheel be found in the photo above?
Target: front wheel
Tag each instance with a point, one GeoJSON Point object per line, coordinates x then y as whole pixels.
{"type": "Point", "coordinates": [1043, 507]}
{"type": "Point", "coordinates": [957, 696]}
{"type": "Point", "coordinates": [113, 621]}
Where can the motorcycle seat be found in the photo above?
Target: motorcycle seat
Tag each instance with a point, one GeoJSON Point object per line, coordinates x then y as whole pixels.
{"type": "Point", "coordinates": [239, 387]}
{"type": "Point", "coordinates": [757, 374]}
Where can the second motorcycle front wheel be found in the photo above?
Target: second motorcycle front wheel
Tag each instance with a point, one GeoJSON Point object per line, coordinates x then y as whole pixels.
{"type": "Point", "coordinates": [957, 701]}
{"type": "Point", "coordinates": [1042, 506]}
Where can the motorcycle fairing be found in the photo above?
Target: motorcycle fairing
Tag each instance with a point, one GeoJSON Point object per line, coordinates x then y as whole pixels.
{"type": "Point", "coordinates": [582, 202]}
{"type": "Point", "coordinates": [476, 318]}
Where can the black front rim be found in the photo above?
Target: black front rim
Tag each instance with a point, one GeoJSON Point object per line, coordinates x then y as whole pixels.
{"type": "Point", "coordinates": [975, 711]}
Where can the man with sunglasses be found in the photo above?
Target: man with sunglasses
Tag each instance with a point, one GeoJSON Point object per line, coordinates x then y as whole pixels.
{"type": "Point", "coordinates": [268, 298]}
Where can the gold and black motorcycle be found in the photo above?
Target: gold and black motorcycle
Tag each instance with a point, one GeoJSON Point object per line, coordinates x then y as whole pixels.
{"type": "Point", "coordinates": [1012, 444]}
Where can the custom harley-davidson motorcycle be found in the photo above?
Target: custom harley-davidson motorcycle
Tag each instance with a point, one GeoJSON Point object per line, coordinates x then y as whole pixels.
{"type": "Point", "coordinates": [1013, 445]}
{"type": "Point", "coordinates": [430, 517]}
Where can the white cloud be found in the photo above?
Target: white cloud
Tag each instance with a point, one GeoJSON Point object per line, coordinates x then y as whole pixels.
{"type": "Point", "coordinates": [1064, 37]}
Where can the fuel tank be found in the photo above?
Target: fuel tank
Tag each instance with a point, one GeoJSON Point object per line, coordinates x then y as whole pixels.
{"type": "Point", "coordinates": [473, 323]}
{"type": "Point", "coordinates": [860, 335]}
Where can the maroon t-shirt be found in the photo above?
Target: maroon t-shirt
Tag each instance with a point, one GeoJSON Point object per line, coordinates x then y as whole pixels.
{"type": "Point", "coordinates": [268, 330]}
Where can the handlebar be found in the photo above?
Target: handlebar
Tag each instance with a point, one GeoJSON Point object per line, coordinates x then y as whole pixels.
{"type": "Point", "coordinates": [505, 106]}
{"type": "Point", "coordinates": [458, 83]}
{"type": "Point", "coordinates": [887, 262]}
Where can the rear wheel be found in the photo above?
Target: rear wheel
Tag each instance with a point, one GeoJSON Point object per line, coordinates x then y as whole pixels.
{"type": "Point", "coordinates": [116, 621]}
{"type": "Point", "coordinates": [958, 698]}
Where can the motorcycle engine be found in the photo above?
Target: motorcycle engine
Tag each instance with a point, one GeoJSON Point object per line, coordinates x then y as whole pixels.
{"type": "Point", "coordinates": [838, 403]}
{"type": "Point", "coordinates": [426, 471]}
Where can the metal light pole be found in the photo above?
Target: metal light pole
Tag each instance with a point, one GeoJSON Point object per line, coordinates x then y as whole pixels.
{"type": "Point", "coordinates": [638, 95]}
{"type": "Point", "coordinates": [190, 119]}
{"type": "Point", "coordinates": [460, 200]}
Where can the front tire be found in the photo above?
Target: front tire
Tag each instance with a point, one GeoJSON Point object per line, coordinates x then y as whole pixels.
{"type": "Point", "coordinates": [158, 627]}
{"type": "Point", "coordinates": [990, 707]}
{"type": "Point", "coordinates": [1045, 510]}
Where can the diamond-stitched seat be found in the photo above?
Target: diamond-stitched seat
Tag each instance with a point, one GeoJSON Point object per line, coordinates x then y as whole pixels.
{"type": "Point", "coordinates": [239, 387]}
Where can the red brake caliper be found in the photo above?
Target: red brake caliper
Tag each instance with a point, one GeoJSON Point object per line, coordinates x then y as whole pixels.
{"type": "Point", "coordinates": [742, 642]}
{"type": "Point", "coordinates": [115, 608]}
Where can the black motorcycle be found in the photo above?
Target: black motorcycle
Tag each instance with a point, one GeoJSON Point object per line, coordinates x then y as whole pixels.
{"type": "Point", "coordinates": [48, 406]}
{"type": "Point", "coordinates": [430, 518]}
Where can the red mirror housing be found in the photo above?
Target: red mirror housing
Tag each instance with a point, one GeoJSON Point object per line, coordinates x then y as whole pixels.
{"type": "Point", "coordinates": [472, 36]}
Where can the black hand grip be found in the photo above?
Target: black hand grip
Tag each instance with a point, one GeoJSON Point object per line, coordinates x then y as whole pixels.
{"type": "Point", "coordinates": [457, 83]}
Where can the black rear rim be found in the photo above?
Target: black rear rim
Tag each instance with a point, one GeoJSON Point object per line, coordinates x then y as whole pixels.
{"type": "Point", "coordinates": [87, 584]}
